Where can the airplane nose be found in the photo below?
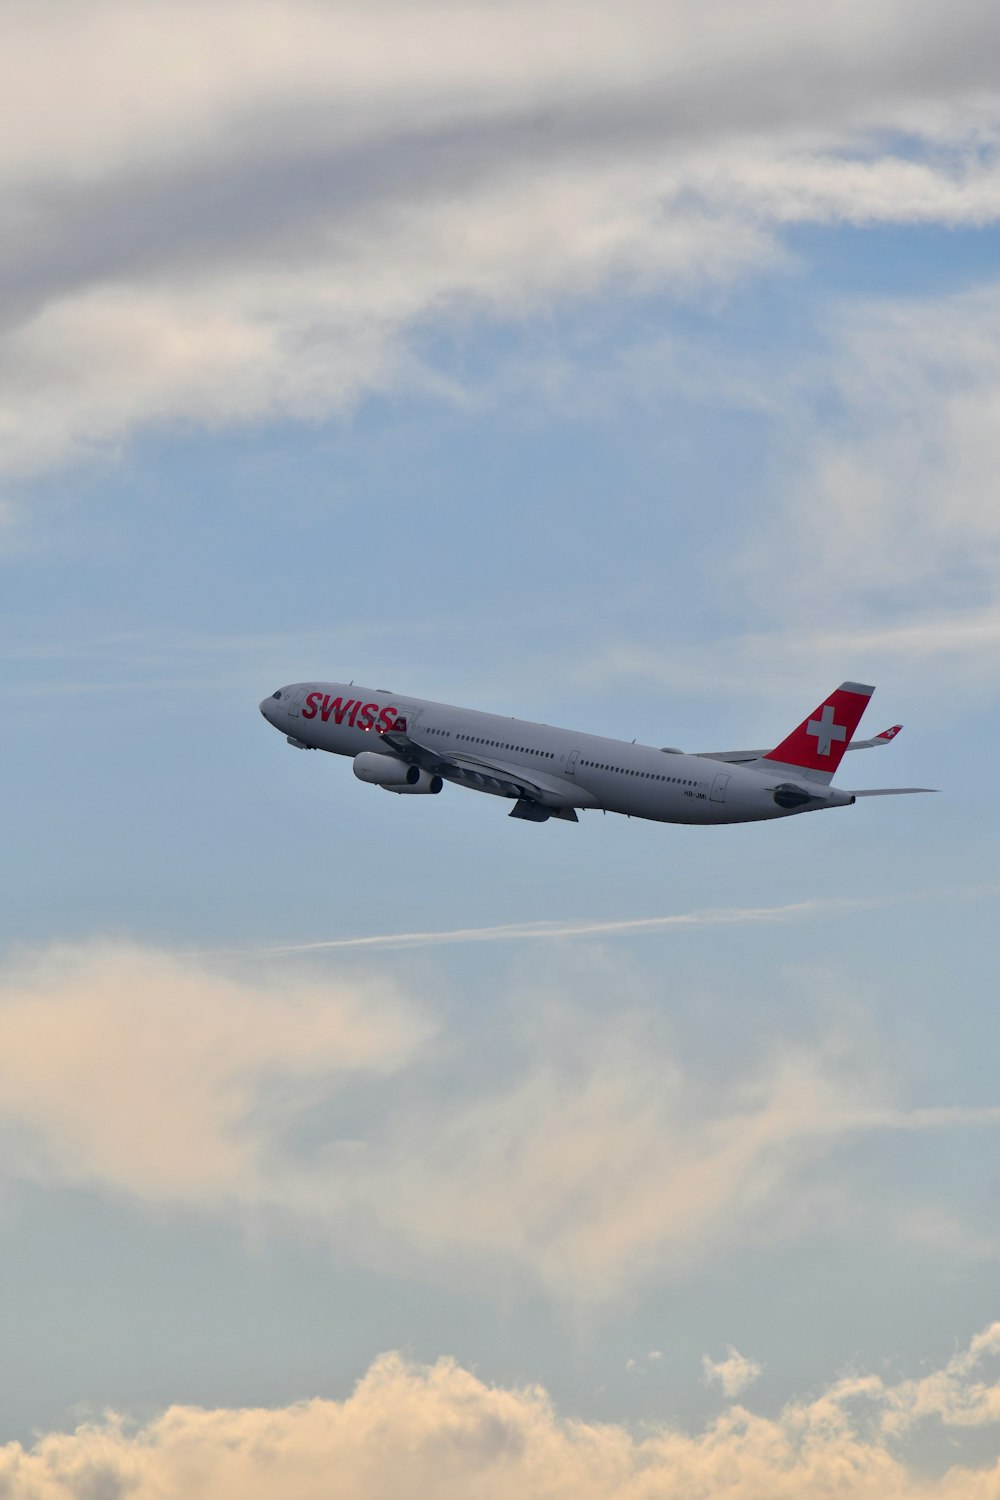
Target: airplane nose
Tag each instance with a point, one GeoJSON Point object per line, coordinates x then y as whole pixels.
{"type": "Point", "coordinates": [263, 705]}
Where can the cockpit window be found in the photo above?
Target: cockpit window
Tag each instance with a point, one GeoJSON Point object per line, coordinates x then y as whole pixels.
{"type": "Point", "coordinates": [277, 694]}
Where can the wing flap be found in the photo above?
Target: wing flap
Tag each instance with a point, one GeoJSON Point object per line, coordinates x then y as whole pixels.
{"type": "Point", "coordinates": [483, 773]}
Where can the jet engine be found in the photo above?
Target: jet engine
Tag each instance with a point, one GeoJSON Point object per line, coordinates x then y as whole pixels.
{"type": "Point", "coordinates": [394, 775]}
{"type": "Point", "coordinates": [788, 795]}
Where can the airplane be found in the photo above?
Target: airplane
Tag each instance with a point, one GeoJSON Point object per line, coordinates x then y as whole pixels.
{"type": "Point", "coordinates": [412, 746]}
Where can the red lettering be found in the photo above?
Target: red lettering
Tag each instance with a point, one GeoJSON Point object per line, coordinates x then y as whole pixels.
{"type": "Point", "coordinates": [337, 707]}
{"type": "Point", "coordinates": [309, 712]}
{"type": "Point", "coordinates": [386, 719]}
{"type": "Point", "coordinates": [354, 709]}
{"type": "Point", "coordinates": [366, 717]}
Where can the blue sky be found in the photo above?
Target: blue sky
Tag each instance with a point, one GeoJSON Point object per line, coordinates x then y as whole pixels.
{"type": "Point", "coordinates": [634, 369]}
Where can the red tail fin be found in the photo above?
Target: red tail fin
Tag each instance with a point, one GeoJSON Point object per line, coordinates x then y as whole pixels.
{"type": "Point", "coordinates": [818, 744]}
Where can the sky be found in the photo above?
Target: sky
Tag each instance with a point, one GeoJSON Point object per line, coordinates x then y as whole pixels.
{"type": "Point", "coordinates": [631, 367]}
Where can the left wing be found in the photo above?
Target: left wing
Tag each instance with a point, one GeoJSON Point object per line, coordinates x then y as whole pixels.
{"type": "Point", "coordinates": [739, 757]}
{"type": "Point", "coordinates": [485, 774]}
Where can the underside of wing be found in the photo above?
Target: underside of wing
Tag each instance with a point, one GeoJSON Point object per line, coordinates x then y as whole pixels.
{"type": "Point", "coordinates": [480, 772]}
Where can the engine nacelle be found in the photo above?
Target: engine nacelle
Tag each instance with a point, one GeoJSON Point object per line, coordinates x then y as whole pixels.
{"type": "Point", "coordinates": [394, 775]}
{"type": "Point", "coordinates": [788, 795]}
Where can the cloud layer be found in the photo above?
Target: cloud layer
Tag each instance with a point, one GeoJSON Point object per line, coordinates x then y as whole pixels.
{"type": "Point", "coordinates": [218, 214]}
{"type": "Point", "coordinates": [411, 1431]}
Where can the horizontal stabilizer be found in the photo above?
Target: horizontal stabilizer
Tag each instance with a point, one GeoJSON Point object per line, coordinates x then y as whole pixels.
{"type": "Point", "coordinates": [894, 791]}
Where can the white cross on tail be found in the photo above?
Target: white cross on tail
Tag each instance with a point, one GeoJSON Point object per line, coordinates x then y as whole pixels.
{"type": "Point", "coordinates": [825, 730]}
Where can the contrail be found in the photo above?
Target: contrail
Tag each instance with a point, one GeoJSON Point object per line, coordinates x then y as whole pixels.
{"type": "Point", "coordinates": [584, 927]}
{"type": "Point", "coordinates": [571, 927]}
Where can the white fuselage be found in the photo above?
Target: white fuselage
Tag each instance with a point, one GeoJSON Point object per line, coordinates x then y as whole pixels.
{"type": "Point", "coordinates": [568, 769]}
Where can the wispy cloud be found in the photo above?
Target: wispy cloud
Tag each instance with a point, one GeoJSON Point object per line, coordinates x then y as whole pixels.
{"type": "Point", "coordinates": [890, 510]}
{"type": "Point", "coordinates": [131, 1068]}
{"type": "Point", "coordinates": [594, 1155]}
{"type": "Point", "coordinates": [911, 643]}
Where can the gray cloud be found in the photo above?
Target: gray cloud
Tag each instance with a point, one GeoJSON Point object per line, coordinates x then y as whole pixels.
{"type": "Point", "coordinates": [226, 214]}
{"type": "Point", "coordinates": [287, 181]}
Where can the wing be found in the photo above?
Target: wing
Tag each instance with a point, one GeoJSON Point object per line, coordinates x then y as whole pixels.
{"type": "Point", "coordinates": [483, 773]}
{"type": "Point", "coordinates": [739, 757]}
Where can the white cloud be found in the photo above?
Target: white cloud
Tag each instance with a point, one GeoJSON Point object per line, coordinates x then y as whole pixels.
{"type": "Point", "coordinates": [959, 1394]}
{"type": "Point", "coordinates": [230, 345]}
{"type": "Point", "coordinates": [411, 1430]}
{"type": "Point", "coordinates": [640, 1364]}
{"type": "Point", "coordinates": [212, 67]}
{"type": "Point", "coordinates": [733, 1374]}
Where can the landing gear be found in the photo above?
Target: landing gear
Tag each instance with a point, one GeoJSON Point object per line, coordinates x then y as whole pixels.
{"type": "Point", "coordinates": [534, 812]}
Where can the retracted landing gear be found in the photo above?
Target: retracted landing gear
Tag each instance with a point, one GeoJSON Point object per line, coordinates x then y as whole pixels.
{"type": "Point", "coordinates": [534, 812]}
